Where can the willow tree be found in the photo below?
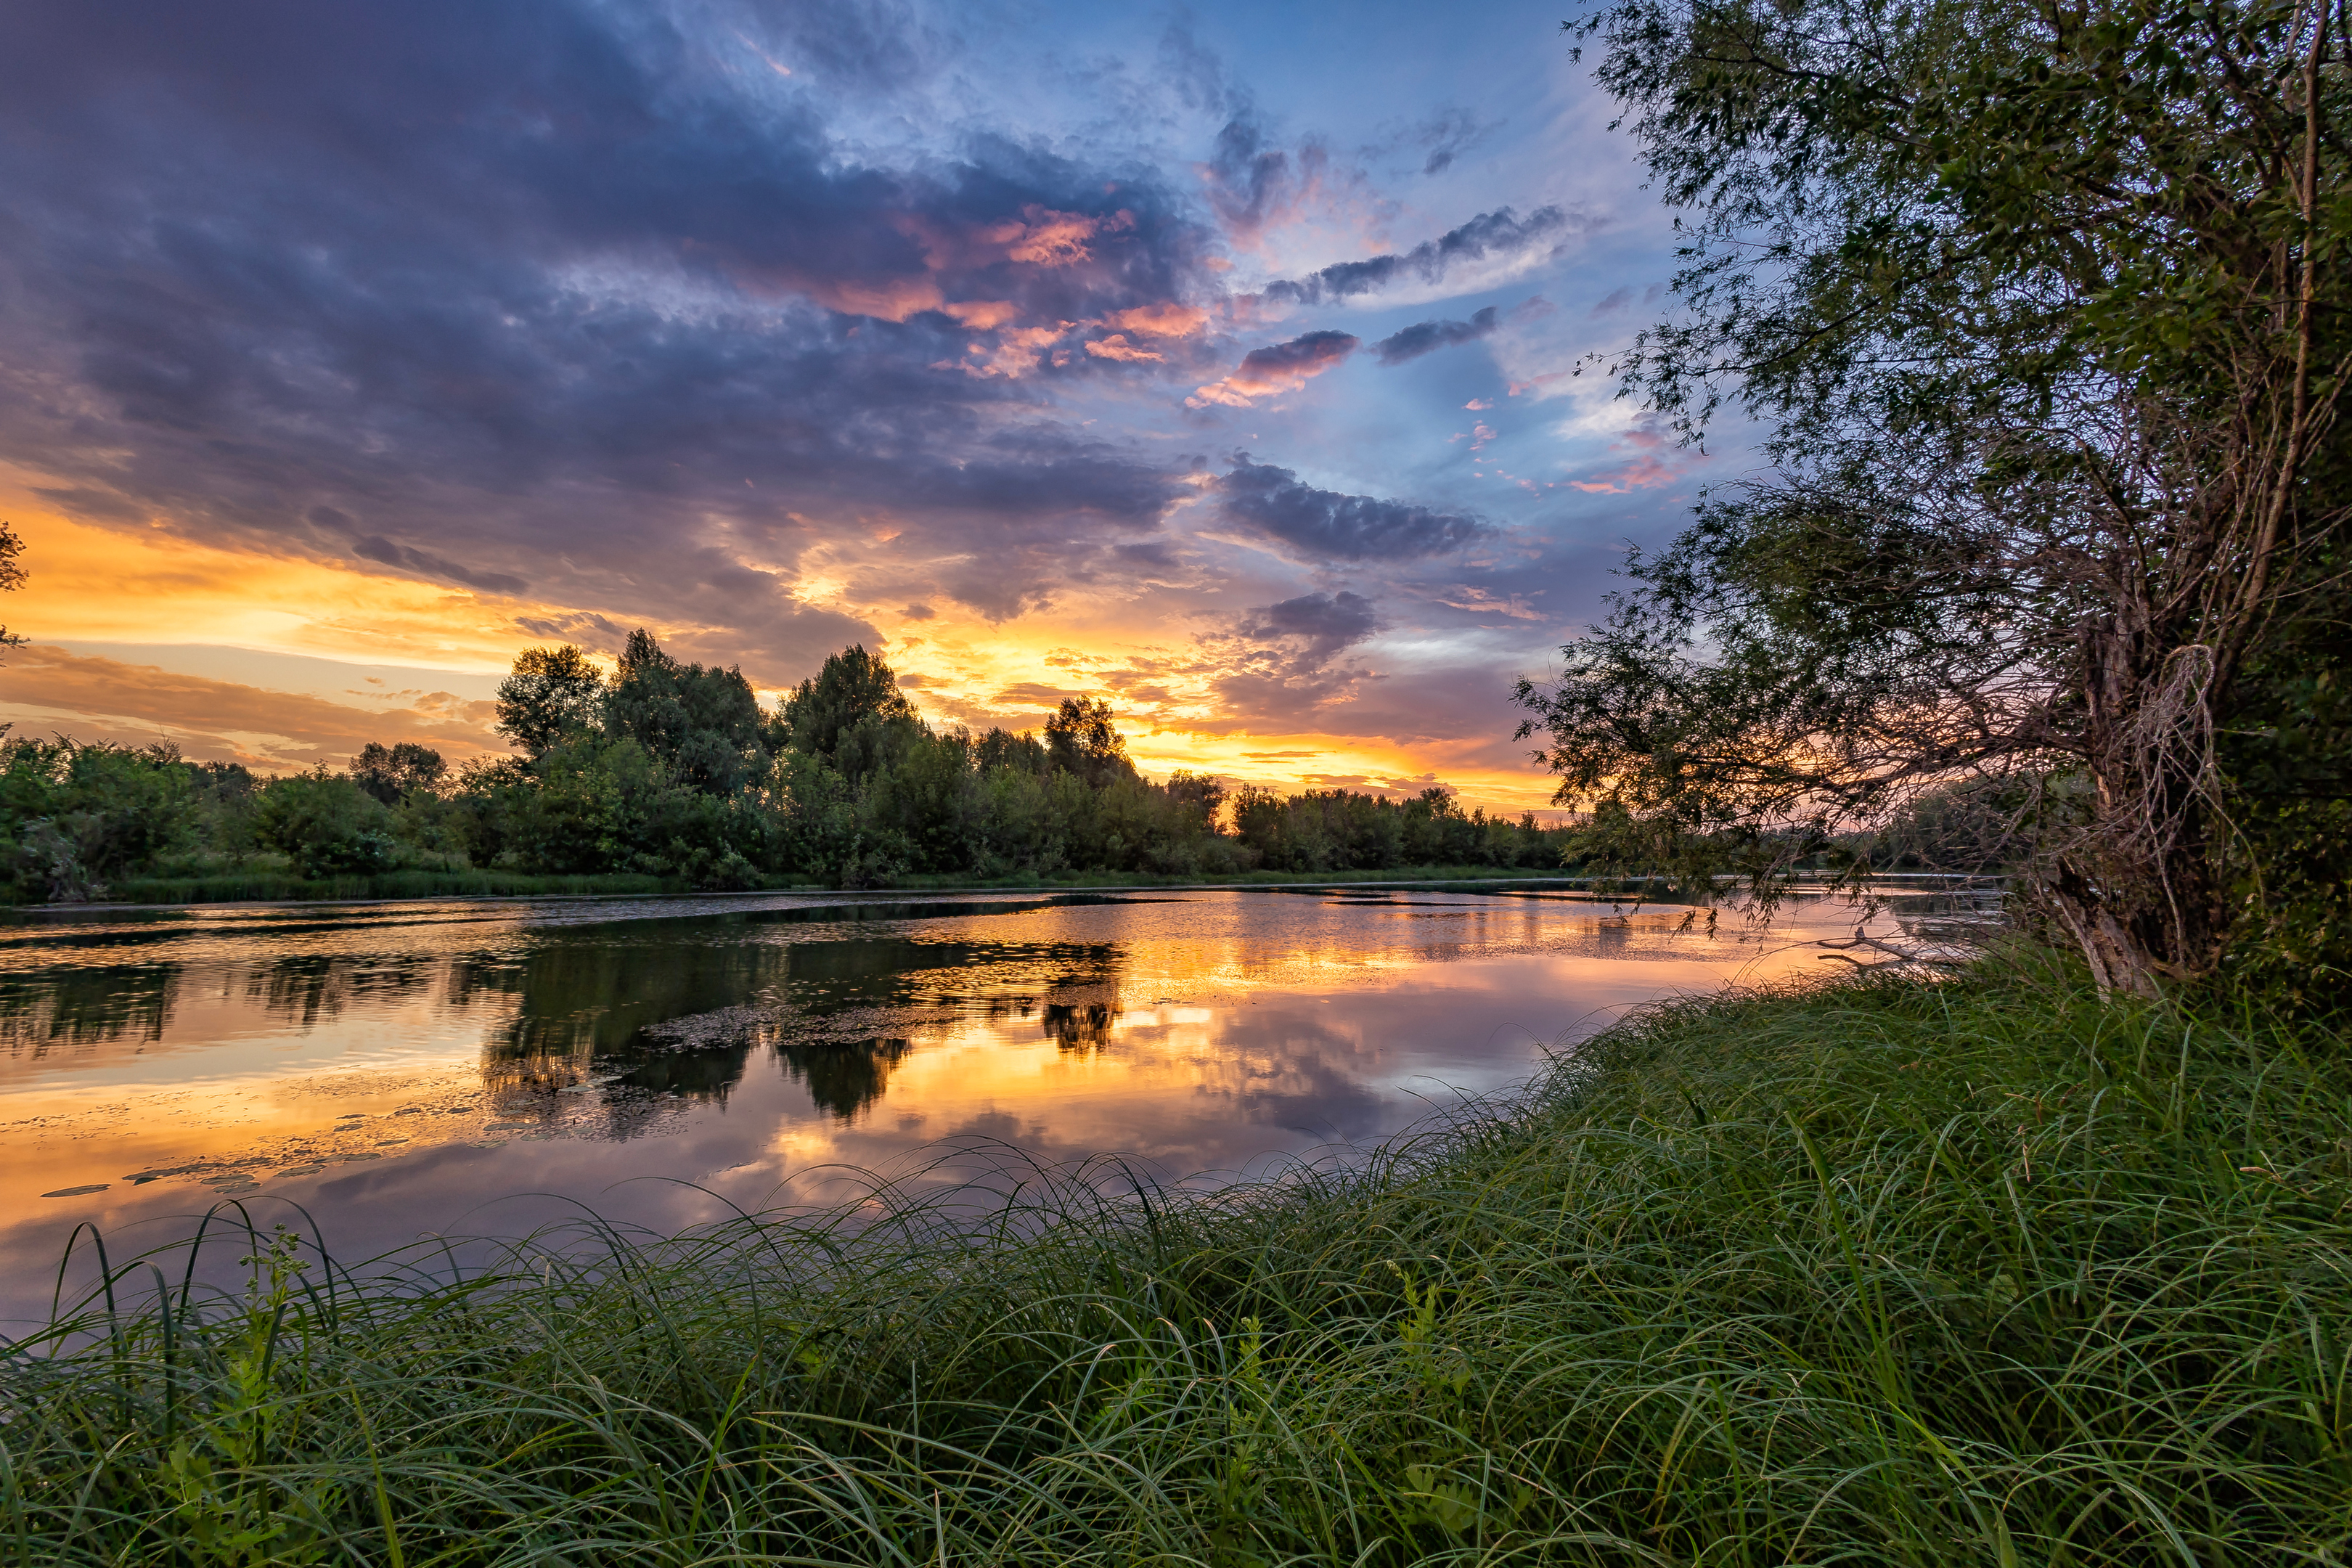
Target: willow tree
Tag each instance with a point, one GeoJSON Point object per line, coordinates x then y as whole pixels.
{"type": "Point", "coordinates": [2041, 309]}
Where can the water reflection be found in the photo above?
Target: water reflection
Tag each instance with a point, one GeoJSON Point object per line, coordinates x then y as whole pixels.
{"type": "Point", "coordinates": [422, 1066]}
{"type": "Point", "coordinates": [78, 1010]}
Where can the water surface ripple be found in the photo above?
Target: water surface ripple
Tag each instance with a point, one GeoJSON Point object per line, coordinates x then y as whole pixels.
{"type": "Point", "coordinates": [486, 1068]}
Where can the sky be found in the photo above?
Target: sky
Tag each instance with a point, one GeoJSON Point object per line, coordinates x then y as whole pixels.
{"type": "Point", "coordinates": [1221, 362]}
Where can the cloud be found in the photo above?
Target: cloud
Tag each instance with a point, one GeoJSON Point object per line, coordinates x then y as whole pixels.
{"type": "Point", "coordinates": [537, 293]}
{"type": "Point", "coordinates": [221, 721]}
{"type": "Point", "coordinates": [1500, 233]}
{"type": "Point", "coordinates": [1325, 525]}
{"type": "Point", "coordinates": [1446, 135]}
{"type": "Point", "coordinates": [1283, 367]}
{"type": "Point", "coordinates": [1168, 319]}
{"type": "Point", "coordinates": [374, 547]}
{"type": "Point", "coordinates": [1117, 347]}
{"type": "Point", "coordinates": [1653, 461]}
{"type": "Point", "coordinates": [1428, 337]}
{"type": "Point", "coordinates": [1322, 624]}
{"type": "Point", "coordinates": [1281, 663]}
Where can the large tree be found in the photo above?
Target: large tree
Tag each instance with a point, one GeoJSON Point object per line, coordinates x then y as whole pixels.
{"type": "Point", "coordinates": [550, 693]}
{"type": "Point", "coordinates": [2041, 309]}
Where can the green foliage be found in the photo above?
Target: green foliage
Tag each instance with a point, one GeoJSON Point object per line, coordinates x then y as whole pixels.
{"type": "Point", "coordinates": [390, 772]}
{"type": "Point", "coordinates": [74, 815]}
{"type": "Point", "coordinates": [702, 724]}
{"type": "Point", "coordinates": [854, 686]}
{"type": "Point", "coordinates": [1083, 739]}
{"type": "Point", "coordinates": [2043, 308]}
{"type": "Point", "coordinates": [326, 825]}
{"type": "Point", "coordinates": [12, 576]}
{"type": "Point", "coordinates": [1981, 1271]}
{"type": "Point", "coordinates": [552, 693]}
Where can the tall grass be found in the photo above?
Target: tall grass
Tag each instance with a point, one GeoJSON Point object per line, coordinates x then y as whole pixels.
{"type": "Point", "coordinates": [1885, 1273]}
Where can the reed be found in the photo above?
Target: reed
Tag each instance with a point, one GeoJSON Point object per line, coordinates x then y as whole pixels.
{"type": "Point", "coordinates": [1887, 1272]}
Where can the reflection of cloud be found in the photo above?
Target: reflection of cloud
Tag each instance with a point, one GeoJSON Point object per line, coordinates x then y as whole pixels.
{"type": "Point", "coordinates": [1284, 367]}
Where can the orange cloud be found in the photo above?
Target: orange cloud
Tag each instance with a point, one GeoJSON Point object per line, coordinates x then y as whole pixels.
{"type": "Point", "coordinates": [1164, 321]}
{"type": "Point", "coordinates": [892, 299]}
{"type": "Point", "coordinates": [149, 586]}
{"type": "Point", "coordinates": [220, 721]}
{"type": "Point", "coordinates": [1048, 239]}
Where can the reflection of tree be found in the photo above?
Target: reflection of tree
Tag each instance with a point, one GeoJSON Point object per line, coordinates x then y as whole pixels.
{"type": "Point", "coordinates": [307, 988]}
{"type": "Point", "coordinates": [1078, 1026]}
{"type": "Point", "coordinates": [590, 996]}
{"type": "Point", "coordinates": [843, 1076]}
{"type": "Point", "coordinates": [79, 1008]}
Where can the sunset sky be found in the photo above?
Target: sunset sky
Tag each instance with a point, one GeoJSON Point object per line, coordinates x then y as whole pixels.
{"type": "Point", "coordinates": [1215, 361]}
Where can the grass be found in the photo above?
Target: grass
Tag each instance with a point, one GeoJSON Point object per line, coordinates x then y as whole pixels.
{"type": "Point", "coordinates": [1887, 1272]}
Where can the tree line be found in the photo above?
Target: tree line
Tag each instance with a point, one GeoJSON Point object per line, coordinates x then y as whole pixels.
{"type": "Point", "coordinates": [674, 769]}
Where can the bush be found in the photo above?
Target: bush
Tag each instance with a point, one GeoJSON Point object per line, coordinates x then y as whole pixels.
{"type": "Point", "coordinates": [326, 825]}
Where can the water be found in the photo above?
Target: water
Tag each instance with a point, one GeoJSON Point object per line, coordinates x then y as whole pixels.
{"type": "Point", "coordinates": [472, 1068]}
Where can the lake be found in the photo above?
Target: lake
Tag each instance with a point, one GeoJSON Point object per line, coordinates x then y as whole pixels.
{"type": "Point", "coordinates": [487, 1067]}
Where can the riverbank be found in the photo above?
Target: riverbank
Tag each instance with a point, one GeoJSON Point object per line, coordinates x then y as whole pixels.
{"type": "Point", "coordinates": [1891, 1271]}
{"type": "Point", "coordinates": [391, 886]}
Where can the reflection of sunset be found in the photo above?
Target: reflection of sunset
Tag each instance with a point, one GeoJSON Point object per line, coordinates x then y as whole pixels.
{"type": "Point", "coordinates": [396, 1068]}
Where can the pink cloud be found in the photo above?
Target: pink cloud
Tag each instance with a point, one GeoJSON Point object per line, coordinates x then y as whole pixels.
{"type": "Point", "coordinates": [982, 315]}
{"type": "Point", "coordinates": [1117, 347]}
{"type": "Point", "coordinates": [1653, 463]}
{"type": "Point", "coordinates": [1282, 367]}
{"type": "Point", "coordinates": [1048, 239]}
{"type": "Point", "coordinates": [1164, 320]}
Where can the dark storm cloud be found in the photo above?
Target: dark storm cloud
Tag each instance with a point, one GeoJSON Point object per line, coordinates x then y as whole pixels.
{"type": "Point", "coordinates": [1325, 525]}
{"type": "Point", "coordinates": [1428, 337]}
{"type": "Point", "coordinates": [385, 553]}
{"type": "Point", "coordinates": [1321, 624]}
{"type": "Point", "coordinates": [1498, 233]}
{"type": "Point", "coordinates": [1310, 353]}
{"type": "Point", "coordinates": [524, 293]}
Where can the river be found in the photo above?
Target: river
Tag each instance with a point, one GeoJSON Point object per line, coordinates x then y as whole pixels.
{"type": "Point", "coordinates": [486, 1068]}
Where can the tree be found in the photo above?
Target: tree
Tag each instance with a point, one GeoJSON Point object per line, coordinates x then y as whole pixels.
{"type": "Point", "coordinates": [12, 578]}
{"type": "Point", "coordinates": [853, 686]}
{"type": "Point", "coordinates": [704, 723]}
{"type": "Point", "coordinates": [2044, 309]}
{"type": "Point", "coordinates": [390, 772]}
{"type": "Point", "coordinates": [1083, 739]}
{"type": "Point", "coordinates": [553, 693]}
